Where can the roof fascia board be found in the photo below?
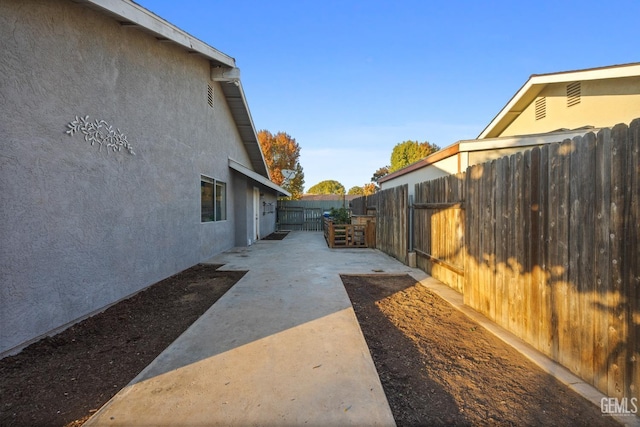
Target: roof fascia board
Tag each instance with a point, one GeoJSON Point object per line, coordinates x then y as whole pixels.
{"type": "Point", "coordinates": [232, 77]}
{"type": "Point", "coordinates": [614, 72]}
{"type": "Point", "coordinates": [253, 131]}
{"type": "Point", "coordinates": [521, 141]}
{"type": "Point", "coordinates": [134, 13]}
{"type": "Point", "coordinates": [237, 166]}
{"type": "Point", "coordinates": [506, 109]}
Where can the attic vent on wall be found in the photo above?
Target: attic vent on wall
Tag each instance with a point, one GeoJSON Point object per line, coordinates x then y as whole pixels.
{"type": "Point", "coordinates": [541, 108]}
{"type": "Point", "coordinates": [573, 94]}
{"type": "Point", "coordinates": [210, 95]}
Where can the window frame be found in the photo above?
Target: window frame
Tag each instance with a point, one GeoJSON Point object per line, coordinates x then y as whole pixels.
{"type": "Point", "coordinates": [217, 210]}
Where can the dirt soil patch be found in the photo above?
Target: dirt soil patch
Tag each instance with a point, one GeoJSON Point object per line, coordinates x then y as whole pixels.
{"type": "Point", "coordinates": [276, 235]}
{"type": "Point", "coordinates": [438, 367]}
{"type": "Point", "coordinates": [62, 380]}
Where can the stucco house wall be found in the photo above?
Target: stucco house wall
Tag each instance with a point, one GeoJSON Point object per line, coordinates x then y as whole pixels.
{"type": "Point", "coordinates": [246, 191]}
{"type": "Point", "coordinates": [83, 226]}
{"type": "Point", "coordinates": [603, 103]}
{"type": "Point", "coordinates": [435, 170]}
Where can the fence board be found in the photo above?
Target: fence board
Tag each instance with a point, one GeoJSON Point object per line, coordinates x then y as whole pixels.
{"type": "Point", "coordinates": [511, 259]}
{"type": "Point", "coordinates": [633, 372]}
{"type": "Point", "coordinates": [575, 214]}
{"type": "Point", "coordinates": [471, 238]}
{"type": "Point", "coordinates": [617, 312]}
{"type": "Point", "coordinates": [526, 256]}
{"type": "Point", "coordinates": [517, 309]}
{"type": "Point", "coordinates": [501, 203]}
{"type": "Point", "coordinates": [629, 224]}
{"type": "Point", "coordinates": [563, 285]}
{"type": "Point", "coordinates": [585, 277]}
{"type": "Point", "coordinates": [601, 258]}
{"type": "Point", "coordinates": [545, 328]}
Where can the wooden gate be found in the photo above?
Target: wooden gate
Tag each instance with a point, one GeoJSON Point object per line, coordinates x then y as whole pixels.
{"type": "Point", "coordinates": [299, 219]}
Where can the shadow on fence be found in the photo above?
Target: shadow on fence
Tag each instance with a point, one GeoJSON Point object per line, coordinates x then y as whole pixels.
{"type": "Point", "coordinates": [544, 243]}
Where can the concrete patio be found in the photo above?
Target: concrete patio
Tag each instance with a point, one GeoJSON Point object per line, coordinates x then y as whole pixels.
{"type": "Point", "coordinates": [283, 347]}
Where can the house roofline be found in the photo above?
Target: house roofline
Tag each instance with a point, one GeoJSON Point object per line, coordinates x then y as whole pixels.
{"type": "Point", "coordinates": [129, 13]}
{"type": "Point", "coordinates": [537, 82]}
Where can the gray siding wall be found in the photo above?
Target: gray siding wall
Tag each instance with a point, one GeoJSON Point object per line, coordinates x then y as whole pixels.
{"type": "Point", "coordinates": [243, 201]}
{"type": "Point", "coordinates": [267, 214]}
{"type": "Point", "coordinates": [82, 226]}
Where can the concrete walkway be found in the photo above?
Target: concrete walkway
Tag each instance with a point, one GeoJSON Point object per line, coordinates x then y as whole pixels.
{"type": "Point", "coordinates": [283, 347]}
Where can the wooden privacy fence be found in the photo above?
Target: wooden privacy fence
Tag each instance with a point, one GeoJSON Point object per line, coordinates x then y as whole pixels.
{"type": "Point", "coordinates": [552, 252]}
{"type": "Point", "coordinates": [438, 228]}
{"type": "Point", "coordinates": [390, 208]}
{"type": "Point", "coordinates": [544, 243]}
{"type": "Point", "coordinates": [299, 218]}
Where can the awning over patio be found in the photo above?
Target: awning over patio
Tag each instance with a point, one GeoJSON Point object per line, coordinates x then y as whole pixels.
{"type": "Point", "coordinates": [237, 166]}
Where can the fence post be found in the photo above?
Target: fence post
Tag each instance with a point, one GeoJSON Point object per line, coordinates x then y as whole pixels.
{"type": "Point", "coordinates": [332, 234]}
{"type": "Point", "coordinates": [411, 255]}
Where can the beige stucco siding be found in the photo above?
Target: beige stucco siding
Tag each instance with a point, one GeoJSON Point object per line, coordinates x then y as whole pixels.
{"type": "Point", "coordinates": [603, 103]}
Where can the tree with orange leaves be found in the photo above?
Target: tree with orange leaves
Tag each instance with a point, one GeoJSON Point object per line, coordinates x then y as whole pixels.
{"type": "Point", "coordinates": [281, 152]}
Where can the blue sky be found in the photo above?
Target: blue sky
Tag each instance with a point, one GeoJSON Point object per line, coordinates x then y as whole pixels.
{"type": "Point", "coordinates": [351, 79]}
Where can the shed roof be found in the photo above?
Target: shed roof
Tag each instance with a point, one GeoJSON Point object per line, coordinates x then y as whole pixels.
{"type": "Point", "coordinates": [223, 67]}
{"type": "Point", "coordinates": [537, 82]}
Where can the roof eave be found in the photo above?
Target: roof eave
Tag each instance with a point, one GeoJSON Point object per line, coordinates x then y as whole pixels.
{"type": "Point", "coordinates": [239, 167]}
{"type": "Point", "coordinates": [132, 14]}
{"type": "Point", "coordinates": [236, 100]}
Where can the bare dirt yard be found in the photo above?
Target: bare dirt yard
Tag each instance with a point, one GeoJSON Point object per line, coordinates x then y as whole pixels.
{"type": "Point", "coordinates": [438, 367]}
{"type": "Point", "coordinates": [62, 380]}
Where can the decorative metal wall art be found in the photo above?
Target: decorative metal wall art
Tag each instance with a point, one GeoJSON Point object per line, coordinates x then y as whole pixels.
{"type": "Point", "coordinates": [101, 133]}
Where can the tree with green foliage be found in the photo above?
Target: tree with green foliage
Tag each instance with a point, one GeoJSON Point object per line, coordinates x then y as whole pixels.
{"type": "Point", "coordinates": [379, 174]}
{"type": "Point", "coordinates": [408, 152]}
{"type": "Point", "coordinates": [327, 187]}
{"type": "Point", "coordinates": [356, 191]}
{"type": "Point", "coordinates": [281, 152]}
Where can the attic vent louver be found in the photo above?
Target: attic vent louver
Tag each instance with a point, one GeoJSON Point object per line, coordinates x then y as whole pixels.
{"type": "Point", "coordinates": [541, 108]}
{"type": "Point", "coordinates": [573, 94]}
{"type": "Point", "coordinates": [210, 95]}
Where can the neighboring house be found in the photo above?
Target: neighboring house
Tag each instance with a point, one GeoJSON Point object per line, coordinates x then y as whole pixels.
{"type": "Point", "coordinates": [457, 157]}
{"type": "Point", "coordinates": [128, 155]}
{"type": "Point", "coordinates": [597, 97]}
{"type": "Point", "coordinates": [548, 108]}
